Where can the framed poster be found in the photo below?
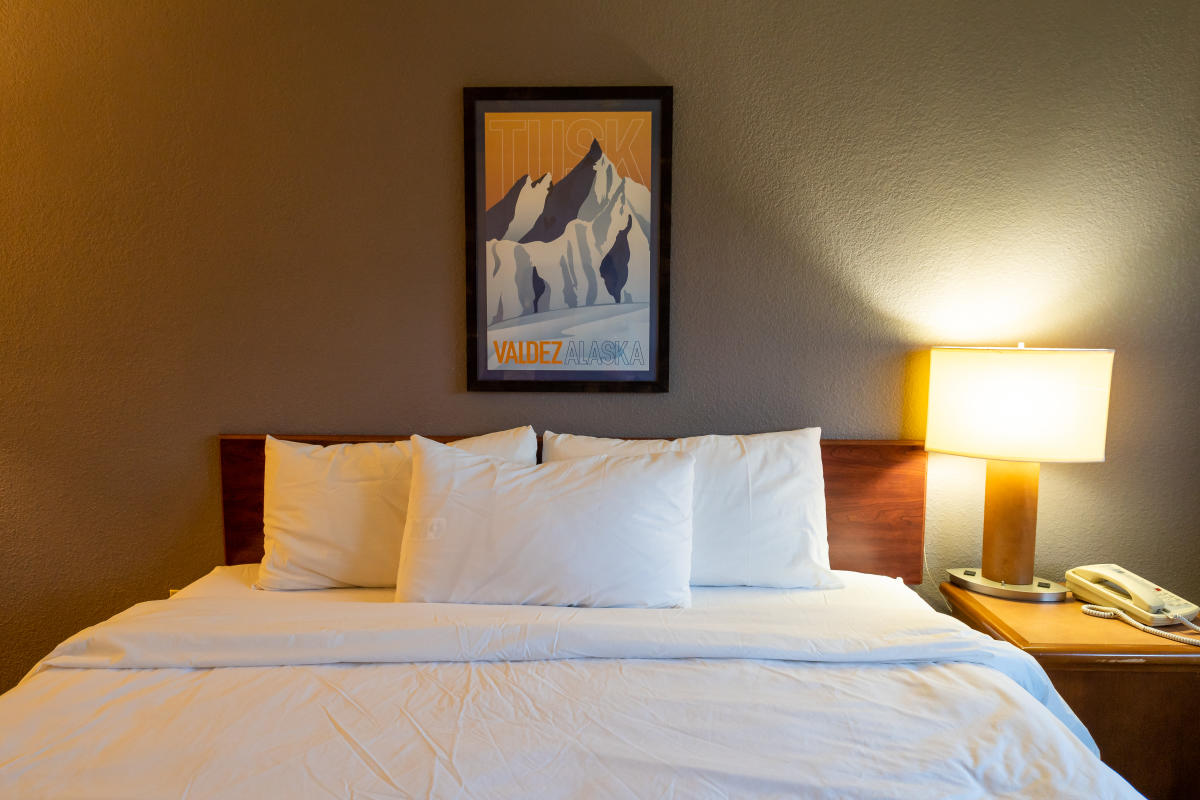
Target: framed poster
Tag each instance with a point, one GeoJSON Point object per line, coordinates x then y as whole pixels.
{"type": "Point", "coordinates": [568, 233]}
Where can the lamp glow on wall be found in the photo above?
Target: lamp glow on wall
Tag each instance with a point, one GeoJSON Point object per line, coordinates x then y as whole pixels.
{"type": "Point", "coordinates": [1016, 407]}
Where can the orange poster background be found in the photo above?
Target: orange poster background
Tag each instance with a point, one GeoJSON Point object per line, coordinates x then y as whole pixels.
{"type": "Point", "coordinates": [534, 143]}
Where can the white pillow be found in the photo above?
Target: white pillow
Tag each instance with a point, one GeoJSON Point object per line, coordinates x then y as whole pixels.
{"type": "Point", "coordinates": [334, 516]}
{"type": "Point", "coordinates": [759, 517]}
{"type": "Point", "coordinates": [592, 532]}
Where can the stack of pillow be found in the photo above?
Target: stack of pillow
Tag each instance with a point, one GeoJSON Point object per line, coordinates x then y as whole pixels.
{"type": "Point", "coordinates": [601, 522]}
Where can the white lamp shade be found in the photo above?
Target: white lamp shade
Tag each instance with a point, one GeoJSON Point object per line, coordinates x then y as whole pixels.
{"type": "Point", "coordinates": [1019, 404]}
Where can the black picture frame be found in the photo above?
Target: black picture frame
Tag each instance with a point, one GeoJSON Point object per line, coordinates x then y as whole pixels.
{"type": "Point", "coordinates": [598, 280]}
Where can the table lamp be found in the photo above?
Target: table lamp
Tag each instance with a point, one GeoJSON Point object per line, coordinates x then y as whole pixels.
{"type": "Point", "coordinates": [1016, 407]}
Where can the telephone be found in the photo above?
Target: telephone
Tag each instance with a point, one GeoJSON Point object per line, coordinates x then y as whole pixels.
{"type": "Point", "coordinates": [1118, 593]}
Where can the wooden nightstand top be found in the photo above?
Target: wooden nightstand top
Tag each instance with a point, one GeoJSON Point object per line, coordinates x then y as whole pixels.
{"type": "Point", "coordinates": [1062, 633]}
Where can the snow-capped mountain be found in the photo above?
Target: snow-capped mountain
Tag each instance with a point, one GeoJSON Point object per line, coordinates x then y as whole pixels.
{"type": "Point", "coordinates": [497, 218]}
{"type": "Point", "coordinates": [565, 198]}
{"type": "Point", "coordinates": [581, 219]}
{"type": "Point", "coordinates": [529, 206]}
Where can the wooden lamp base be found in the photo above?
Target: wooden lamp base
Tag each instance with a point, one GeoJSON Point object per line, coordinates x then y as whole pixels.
{"type": "Point", "coordinates": [1009, 532]}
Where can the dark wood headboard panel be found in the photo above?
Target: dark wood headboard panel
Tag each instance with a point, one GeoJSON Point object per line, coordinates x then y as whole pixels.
{"type": "Point", "coordinates": [874, 496]}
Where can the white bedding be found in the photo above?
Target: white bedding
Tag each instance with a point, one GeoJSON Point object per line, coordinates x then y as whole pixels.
{"type": "Point", "coordinates": [225, 691]}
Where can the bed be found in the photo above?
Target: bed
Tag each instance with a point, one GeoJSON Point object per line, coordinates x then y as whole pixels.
{"type": "Point", "coordinates": [226, 690]}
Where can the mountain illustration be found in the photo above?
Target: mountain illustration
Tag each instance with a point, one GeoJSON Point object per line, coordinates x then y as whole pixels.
{"type": "Point", "coordinates": [583, 241]}
{"type": "Point", "coordinates": [539, 288]}
{"type": "Point", "coordinates": [614, 269]}
{"type": "Point", "coordinates": [565, 198]}
{"type": "Point", "coordinates": [497, 218]}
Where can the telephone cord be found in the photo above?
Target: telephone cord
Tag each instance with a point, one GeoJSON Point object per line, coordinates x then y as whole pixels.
{"type": "Point", "coordinates": [1104, 612]}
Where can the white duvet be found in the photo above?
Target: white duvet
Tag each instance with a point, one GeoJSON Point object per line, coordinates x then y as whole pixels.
{"type": "Point", "coordinates": [224, 691]}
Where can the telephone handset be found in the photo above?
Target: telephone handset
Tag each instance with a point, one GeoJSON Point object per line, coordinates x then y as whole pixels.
{"type": "Point", "coordinates": [1118, 593]}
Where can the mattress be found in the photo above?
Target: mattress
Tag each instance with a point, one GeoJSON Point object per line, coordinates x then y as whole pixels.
{"type": "Point", "coordinates": [228, 691]}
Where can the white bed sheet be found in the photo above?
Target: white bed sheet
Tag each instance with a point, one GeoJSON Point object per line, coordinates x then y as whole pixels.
{"type": "Point", "coordinates": [865, 591]}
{"type": "Point", "coordinates": [859, 692]}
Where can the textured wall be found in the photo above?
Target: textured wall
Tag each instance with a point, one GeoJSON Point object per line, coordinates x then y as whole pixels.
{"type": "Point", "coordinates": [248, 216]}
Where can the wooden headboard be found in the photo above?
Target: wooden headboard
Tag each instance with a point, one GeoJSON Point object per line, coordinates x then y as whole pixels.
{"type": "Point", "coordinates": [874, 496]}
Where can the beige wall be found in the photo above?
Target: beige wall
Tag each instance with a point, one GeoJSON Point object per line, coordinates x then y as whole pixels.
{"type": "Point", "coordinates": [248, 216]}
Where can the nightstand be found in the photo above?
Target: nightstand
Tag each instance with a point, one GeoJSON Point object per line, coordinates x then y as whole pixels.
{"type": "Point", "coordinates": [1137, 693]}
